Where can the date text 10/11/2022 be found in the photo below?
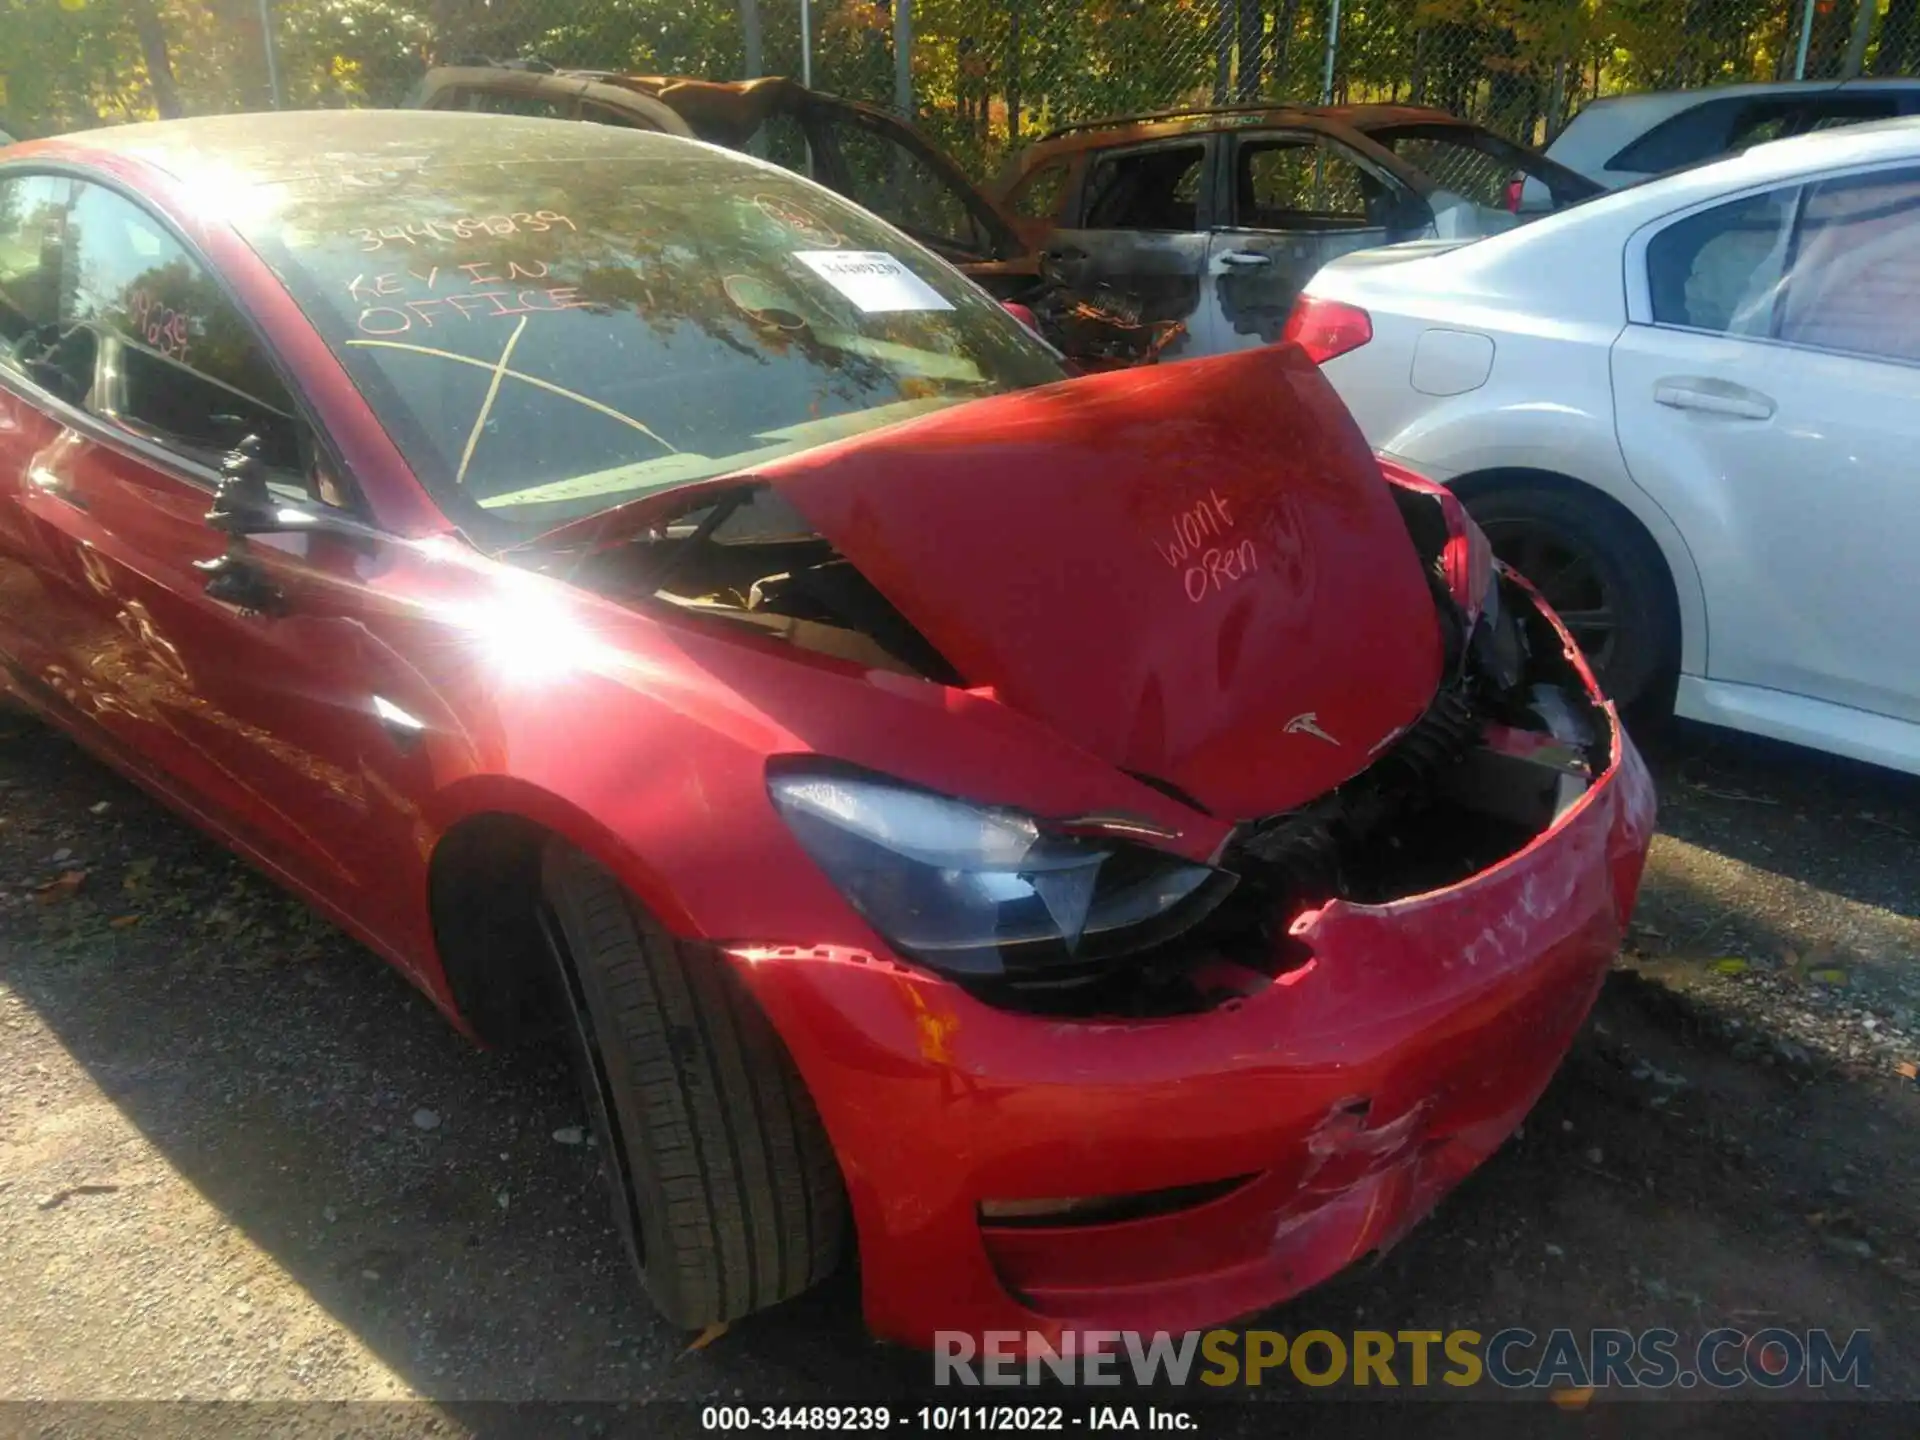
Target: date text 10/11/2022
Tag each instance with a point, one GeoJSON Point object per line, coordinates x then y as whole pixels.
{"type": "Point", "coordinates": [944, 1419]}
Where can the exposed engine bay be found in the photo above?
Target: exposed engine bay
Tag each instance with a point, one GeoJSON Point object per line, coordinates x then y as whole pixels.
{"type": "Point", "coordinates": [750, 559]}
{"type": "Point", "coordinates": [1508, 744]}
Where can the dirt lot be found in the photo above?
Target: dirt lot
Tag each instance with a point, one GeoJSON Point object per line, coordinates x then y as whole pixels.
{"type": "Point", "coordinates": [239, 1158]}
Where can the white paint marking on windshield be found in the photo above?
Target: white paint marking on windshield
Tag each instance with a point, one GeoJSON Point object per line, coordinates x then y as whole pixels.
{"type": "Point", "coordinates": [486, 405]}
{"type": "Point", "coordinates": [523, 378]}
{"type": "Point", "coordinates": [873, 280]}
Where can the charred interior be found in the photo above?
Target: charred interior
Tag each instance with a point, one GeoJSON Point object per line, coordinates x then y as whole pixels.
{"type": "Point", "coordinates": [1509, 742]}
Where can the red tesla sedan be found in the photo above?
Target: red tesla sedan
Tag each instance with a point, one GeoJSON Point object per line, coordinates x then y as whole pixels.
{"type": "Point", "coordinates": [1100, 844]}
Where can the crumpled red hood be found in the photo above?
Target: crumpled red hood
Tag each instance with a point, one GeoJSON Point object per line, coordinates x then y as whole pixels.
{"type": "Point", "coordinates": [1194, 571]}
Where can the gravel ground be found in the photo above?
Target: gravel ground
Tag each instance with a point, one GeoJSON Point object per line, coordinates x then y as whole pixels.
{"type": "Point", "coordinates": [239, 1158]}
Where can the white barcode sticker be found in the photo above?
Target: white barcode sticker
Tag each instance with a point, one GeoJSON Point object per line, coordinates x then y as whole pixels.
{"type": "Point", "coordinates": [872, 279]}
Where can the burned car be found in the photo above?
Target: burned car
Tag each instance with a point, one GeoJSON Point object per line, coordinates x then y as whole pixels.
{"type": "Point", "coordinates": [865, 153]}
{"type": "Point", "coordinates": [868, 155]}
{"type": "Point", "coordinates": [1212, 220]}
{"type": "Point", "coordinates": [1108, 847]}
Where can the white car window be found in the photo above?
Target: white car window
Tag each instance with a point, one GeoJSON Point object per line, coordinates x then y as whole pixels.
{"type": "Point", "coordinates": [1855, 284]}
{"type": "Point", "coordinates": [1721, 269]}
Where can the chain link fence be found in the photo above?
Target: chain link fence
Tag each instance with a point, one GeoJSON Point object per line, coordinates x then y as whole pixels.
{"type": "Point", "coordinates": [980, 76]}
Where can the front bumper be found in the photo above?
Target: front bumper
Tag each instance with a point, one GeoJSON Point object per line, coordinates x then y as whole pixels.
{"type": "Point", "coordinates": [1351, 1095]}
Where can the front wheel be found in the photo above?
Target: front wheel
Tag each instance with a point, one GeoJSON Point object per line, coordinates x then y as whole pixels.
{"type": "Point", "coordinates": [1598, 571]}
{"type": "Point", "coordinates": [725, 1186]}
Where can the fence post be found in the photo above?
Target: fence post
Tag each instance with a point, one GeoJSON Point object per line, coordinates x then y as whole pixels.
{"type": "Point", "coordinates": [806, 44]}
{"type": "Point", "coordinates": [1806, 37]}
{"type": "Point", "coordinates": [750, 37]}
{"type": "Point", "coordinates": [1865, 13]}
{"type": "Point", "coordinates": [903, 58]}
{"type": "Point", "coordinates": [1333, 50]}
{"type": "Point", "coordinates": [273, 58]}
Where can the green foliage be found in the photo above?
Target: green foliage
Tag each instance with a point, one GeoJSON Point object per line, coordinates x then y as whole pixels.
{"type": "Point", "coordinates": [988, 74]}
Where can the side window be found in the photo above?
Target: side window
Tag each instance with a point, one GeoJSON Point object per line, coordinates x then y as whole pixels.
{"type": "Point", "coordinates": [1855, 282]}
{"type": "Point", "coordinates": [781, 140]}
{"type": "Point", "coordinates": [32, 214]}
{"type": "Point", "coordinates": [1038, 194]}
{"type": "Point", "coordinates": [1457, 165]}
{"type": "Point", "coordinates": [1721, 269]}
{"type": "Point", "coordinates": [1301, 184]}
{"type": "Point", "coordinates": [1759, 123]}
{"type": "Point", "coordinates": [513, 102]}
{"type": "Point", "coordinates": [609, 115]}
{"type": "Point", "coordinates": [1157, 189]}
{"type": "Point", "coordinates": [1695, 134]}
{"type": "Point", "coordinates": [157, 348]}
{"type": "Point", "coordinates": [1849, 110]}
{"type": "Point", "coordinates": [903, 189]}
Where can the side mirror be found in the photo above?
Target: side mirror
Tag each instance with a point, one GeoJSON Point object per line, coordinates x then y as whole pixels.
{"type": "Point", "coordinates": [243, 506]}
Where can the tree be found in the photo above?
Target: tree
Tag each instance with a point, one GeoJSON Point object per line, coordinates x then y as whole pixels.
{"type": "Point", "coordinates": [153, 49]}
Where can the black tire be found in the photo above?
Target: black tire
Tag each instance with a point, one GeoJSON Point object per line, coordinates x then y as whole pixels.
{"type": "Point", "coordinates": [725, 1187]}
{"type": "Point", "coordinates": [1599, 570]}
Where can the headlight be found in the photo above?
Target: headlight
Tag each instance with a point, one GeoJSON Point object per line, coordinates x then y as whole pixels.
{"type": "Point", "coordinates": [985, 892]}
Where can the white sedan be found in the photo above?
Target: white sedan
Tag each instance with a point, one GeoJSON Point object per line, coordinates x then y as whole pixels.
{"type": "Point", "coordinates": [1690, 412]}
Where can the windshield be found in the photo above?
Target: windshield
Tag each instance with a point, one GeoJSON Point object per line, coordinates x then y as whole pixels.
{"type": "Point", "coordinates": [553, 319]}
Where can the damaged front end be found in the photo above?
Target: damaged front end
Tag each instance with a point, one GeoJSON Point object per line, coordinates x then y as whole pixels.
{"type": "Point", "coordinates": [1511, 738]}
{"type": "Point", "coordinates": [1514, 736]}
{"type": "Point", "coordinates": [1497, 759]}
{"type": "Point", "coordinates": [1328, 674]}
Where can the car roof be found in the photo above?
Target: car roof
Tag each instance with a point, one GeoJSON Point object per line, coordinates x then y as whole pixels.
{"type": "Point", "coordinates": [1161, 124]}
{"type": "Point", "coordinates": [726, 112]}
{"type": "Point", "coordinates": [1568, 264]}
{"type": "Point", "coordinates": [1774, 161]}
{"type": "Point", "coordinates": [211, 153]}
{"type": "Point", "coordinates": [1666, 102]}
{"type": "Point", "coordinates": [1777, 162]}
{"type": "Point", "coordinates": [1604, 127]}
{"type": "Point", "coordinates": [733, 109]}
{"type": "Point", "coordinates": [1123, 129]}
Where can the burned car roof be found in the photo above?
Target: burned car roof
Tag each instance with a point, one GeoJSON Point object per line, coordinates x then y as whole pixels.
{"type": "Point", "coordinates": [1101, 134]}
{"type": "Point", "coordinates": [1359, 117]}
{"type": "Point", "coordinates": [730, 113]}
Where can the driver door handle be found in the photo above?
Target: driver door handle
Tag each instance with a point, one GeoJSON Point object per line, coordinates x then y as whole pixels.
{"type": "Point", "coordinates": [1712, 397]}
{"type": "Point", "coordinates": [1245, 259]}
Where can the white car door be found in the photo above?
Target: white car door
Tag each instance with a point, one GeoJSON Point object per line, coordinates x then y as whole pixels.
{"type": "Point", "coordinates": [1769, 398]}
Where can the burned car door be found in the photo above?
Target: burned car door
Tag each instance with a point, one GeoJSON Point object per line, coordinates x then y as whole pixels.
{"type": "Point", "coordinates": [1291, 202]}
{"type": "Point", "coordinates": [1128, 271]}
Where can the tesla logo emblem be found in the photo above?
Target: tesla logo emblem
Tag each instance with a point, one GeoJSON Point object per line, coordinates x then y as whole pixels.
{"type": "Point", "coordinates": [1309, 724]}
